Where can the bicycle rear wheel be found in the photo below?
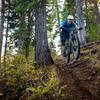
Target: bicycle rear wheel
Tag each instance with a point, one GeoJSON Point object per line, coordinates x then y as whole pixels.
{"type": "Point", "coordinates": [67, 59]}
{"type": "Point", "coordinates": [68, 49]}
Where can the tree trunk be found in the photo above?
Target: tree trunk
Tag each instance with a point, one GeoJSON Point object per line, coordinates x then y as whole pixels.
{"type": "Point", "coordinates": [5, 49]}
{"type": "Point", "coordinates": [21, 38]}
{"type": "Point", "coordinates": [42, 51]}
{"type": "Point", "coordinates": [86, 3]}
{"type": "Point", "coordinates": [3, 17]}
{"type": "Point", "coordinates": [6, 37]}
{"type": "Point", "coordinates": [0, 29]}
{"type": "Point", "coordinates": [29, 28]}
{"type": "Point", "coordinates": [27, 42]}
{"type": "Point", "coordinates": [27, 51]}
{"type": "Point", "coordinates": [96, 11]}
{"type": "Point", "coordinates": [57, 12]}
{"type": "Point", "coordinates": [80, 20]}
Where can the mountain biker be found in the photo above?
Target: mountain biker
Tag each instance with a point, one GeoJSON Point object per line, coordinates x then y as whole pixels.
{"type": "Point", "coordinates": [64, 34]}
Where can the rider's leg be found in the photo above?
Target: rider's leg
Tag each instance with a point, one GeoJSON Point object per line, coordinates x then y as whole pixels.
{"type": "Point", "coordinates": [64, 51]}
{"type": "Point", "coordinates": [63, 39]}
{"type": "Point", "coordinates": [68, 42]}
{"type": "Point", "coordinates": [68, 35]}
{"type": "Point", "coordinates": [63, 47]}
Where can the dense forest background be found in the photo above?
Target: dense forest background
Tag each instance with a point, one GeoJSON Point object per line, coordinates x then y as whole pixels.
{"type": "Point", "coordinates": [29, 43]}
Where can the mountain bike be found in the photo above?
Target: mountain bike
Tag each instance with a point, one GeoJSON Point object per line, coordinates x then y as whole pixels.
{"type": "Point", "coordinates": [72, 47]}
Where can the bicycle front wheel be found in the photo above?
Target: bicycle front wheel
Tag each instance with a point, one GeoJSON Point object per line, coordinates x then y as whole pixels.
{"type": "Point", "coordinates": [75, 46]}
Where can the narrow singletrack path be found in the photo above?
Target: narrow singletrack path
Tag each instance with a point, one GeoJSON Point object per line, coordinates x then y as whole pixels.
{"type": "Point", "coordinates": [82, 78]}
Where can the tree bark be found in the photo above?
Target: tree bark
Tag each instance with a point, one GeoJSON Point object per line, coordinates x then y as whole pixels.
{"type": "Point", "coordinates": [96, 11]}
{"type": "Point", "coordinates": [21, 38]}
{"type": "Point", "coordinates": [42, 51]}
{"type": "Point", "coordinates": [1, 14]}
{"type": "Point", "coordinates": [6, 37]}
{"type": "Point", "coordinates": [57, 12]}
{"type": "Point", "coordinates": [3, 18]}
{"type": "Point", "coordinates": [80, 19]}
{"type": "Point", "coordinates": [27, 42]}
{"type": "Point", "coordinates": [5, 49]}
{"type": "Point", "coordinates": [86, 3]}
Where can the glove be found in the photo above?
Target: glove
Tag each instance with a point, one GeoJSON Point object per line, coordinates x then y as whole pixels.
{"type": "Point", "coordinates": [60, 27]}
{"type": "Point", "coordinates": [80, 28]}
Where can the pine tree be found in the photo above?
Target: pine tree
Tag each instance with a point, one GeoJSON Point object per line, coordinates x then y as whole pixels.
{"type": "Point", "coordinates": [42, 51]}
{"type": "Point", "coordinates": [21, 22]}
{"type": "Point", "coordinates": [7, 29]}
{"type": "Point", "coordinates": [1, 27]}
{"type": "Point", "coordinates": [80, 20]}
{"type": "Point", "coordinates": [0, 31]}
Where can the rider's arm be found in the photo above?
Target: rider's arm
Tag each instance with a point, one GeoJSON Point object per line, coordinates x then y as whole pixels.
{"type": "Point", "coordinates": [79, 28]}
{"type": "Point", "coordinates": [60, 27]}
{"type": "Point", "coordinates": [62, 24]}
{"type": "Point", "coordinates": [75, 25]}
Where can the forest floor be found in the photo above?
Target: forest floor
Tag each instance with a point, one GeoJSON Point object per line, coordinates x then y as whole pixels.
{"type": "Point", "coordinates": [77, 81]}
{"type": "Point", "coordinates": [82, 78]}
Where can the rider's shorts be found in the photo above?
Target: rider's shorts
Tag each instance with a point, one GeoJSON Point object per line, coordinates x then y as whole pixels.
{"type": "Point", "coordinates": [63, 36]}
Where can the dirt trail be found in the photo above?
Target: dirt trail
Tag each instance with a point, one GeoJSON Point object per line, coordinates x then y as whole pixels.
{"type": "Point", "coordinates": [82, 78]}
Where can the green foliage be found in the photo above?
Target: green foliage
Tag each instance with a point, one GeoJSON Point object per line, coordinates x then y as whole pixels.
{"type": "Point", "coordinates": [45, 86]}
{"type": "Point", "coordinates": [19, 76]}
{"type": "Point", "coordinates": [94, 33]}
{"type": "Point", "coordinates": [69, 8]}
{"type": "Point", "coordinates": [16, 74]}
{"type": "Point", "coordinates": [51, 21]}
{"type": "Point", "coordinates": [48, 85]}
{"type": "Point", "coordinates": [93, 30]}
{"type": "Point", "coordinates": [21, 21]}
{"type": "Point", "coordinates": [31, 55]}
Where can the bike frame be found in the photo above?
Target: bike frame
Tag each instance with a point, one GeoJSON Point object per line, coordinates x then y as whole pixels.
{"type": "Point", "coordinates": [71, 44]}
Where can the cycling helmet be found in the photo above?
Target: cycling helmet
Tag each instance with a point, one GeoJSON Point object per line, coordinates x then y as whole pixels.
{"type": "Point", "coordinates": [70, 17]}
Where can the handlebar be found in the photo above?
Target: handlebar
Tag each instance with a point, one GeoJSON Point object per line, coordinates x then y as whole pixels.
{"type": "Point", "coordinates": [66, 29]}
